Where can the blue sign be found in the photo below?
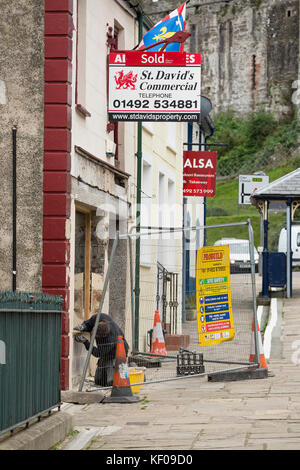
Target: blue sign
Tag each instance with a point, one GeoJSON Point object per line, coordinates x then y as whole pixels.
{"type": "Point", "coordinates": [217, 317]}
{"type": "Point", "coordinates": [210, 299]}
{"type": "Point", "coordinates": [216, 308]}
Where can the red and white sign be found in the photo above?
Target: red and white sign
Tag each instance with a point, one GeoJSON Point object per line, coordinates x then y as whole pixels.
{"type": "Point", "coordinates": [154, 86]}
{"type": "Point", "coordinates": [199, 173]}
{"type": "Point", "coordinates": [220, 325]}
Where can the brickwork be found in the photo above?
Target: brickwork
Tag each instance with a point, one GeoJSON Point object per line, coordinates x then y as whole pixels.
{"type": "Point", "coordinates": [57, 147]}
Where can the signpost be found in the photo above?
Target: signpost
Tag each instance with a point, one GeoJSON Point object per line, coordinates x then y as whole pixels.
{"type": "Point", "coordinates": [213, 296]}
{"type": "Point", "coordinates": [199, 173]}
{"type": "Point", "coordinates": [154, 86]}
{"type": "Point", "coordinates": [248, 184]}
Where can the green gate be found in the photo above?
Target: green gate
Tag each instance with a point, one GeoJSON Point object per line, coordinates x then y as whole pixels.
{"type": "Point", "coordinates": [30, 350]}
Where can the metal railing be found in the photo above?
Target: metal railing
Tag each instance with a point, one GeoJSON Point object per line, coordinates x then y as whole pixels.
{"type": "Point", "coordinates": [223, 357]}
{"type": "Point", "coordinates": [30, 349]}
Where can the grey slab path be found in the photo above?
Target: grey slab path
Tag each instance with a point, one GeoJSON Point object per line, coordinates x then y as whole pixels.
{"type": "Point", "coordinates": [194, 414]}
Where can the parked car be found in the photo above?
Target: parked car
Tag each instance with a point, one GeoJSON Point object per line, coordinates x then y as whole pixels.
{"type": "Point", "coordinates": [295, 243]}
{"type": "Point", "coordinates": [239, 254]}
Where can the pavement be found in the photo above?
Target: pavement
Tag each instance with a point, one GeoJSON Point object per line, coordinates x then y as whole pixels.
{"type": "Point", "coordinates": [193, 413]}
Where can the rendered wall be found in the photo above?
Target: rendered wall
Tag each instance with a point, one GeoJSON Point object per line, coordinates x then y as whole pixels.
{"type": "Point", "coordinates": [21, 105]}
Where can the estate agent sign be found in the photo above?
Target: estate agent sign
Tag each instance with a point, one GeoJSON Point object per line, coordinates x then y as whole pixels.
{"type": "Point", "coordinates": [154, 86]}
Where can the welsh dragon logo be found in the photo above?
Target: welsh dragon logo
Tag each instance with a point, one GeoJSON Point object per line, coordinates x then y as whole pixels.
{"type": "Point", "coordinates": [126, 80]}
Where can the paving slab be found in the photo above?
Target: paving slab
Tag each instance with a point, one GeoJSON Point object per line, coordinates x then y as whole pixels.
{"type": "Point", "coordinates": [200, 415]}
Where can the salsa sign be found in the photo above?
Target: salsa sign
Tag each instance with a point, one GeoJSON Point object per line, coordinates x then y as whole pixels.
{"type": "Point", "coordinates": [199, 173]}
{"type": "Point", "coordinates": [154, 86]}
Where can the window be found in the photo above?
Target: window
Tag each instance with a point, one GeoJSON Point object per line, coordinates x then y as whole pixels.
{"type": "Point", "coordinates": [253, 85]}
{"type": "Point", "coordinates": [170, 222]}
{"type": "Point", "coordinates": [172, 136]}
{"type": "Point", "coordinates": [146, 219]}
{"type": "Point", "coordinates": [89, 263]}
{"type": "Point", "coordinates": [80, 85]}
{"type": "Point", "coordinates": [171, 202]}
{"type": "Point", "coordinates": [82, 265]}
{"type": "Point", "coordinates": [148, 126]}
{"type": "Point", "coordinates": [115, 41]}
{"type": "Point", "coordinates": [161, 217]}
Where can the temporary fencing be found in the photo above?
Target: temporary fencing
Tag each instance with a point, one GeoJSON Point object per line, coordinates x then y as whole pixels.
{"type": "Point", "coordinates": [202, 333]}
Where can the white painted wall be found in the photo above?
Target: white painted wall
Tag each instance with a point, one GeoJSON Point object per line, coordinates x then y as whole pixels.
{"type": "Point", "coordinates": [162, 149]}
{"type": "Point", "coordinates": [91, 184]}
{"type": "Point", "coordinates": [90, 132]}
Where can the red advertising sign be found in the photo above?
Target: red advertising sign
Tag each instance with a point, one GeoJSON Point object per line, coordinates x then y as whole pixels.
{"type": "Point", "coordinates": [199, 173]}
{"type": "Point", "coordinates": [154, 86]}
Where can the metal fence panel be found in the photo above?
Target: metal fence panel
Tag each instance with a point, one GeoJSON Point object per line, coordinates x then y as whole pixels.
{"type": "Point", "coordinates": [164, 286]}
{"type": "Point", "coordinates": [30, 337]}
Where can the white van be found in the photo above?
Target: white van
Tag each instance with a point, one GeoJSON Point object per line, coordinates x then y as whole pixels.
{"type": "Point", "coordinates": [239, 254]}
{"type": "Point", "coordinates": [295, 242]}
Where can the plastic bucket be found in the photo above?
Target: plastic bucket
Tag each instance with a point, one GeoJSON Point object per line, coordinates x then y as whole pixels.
{"type": "Point", "coordinates": [136, 376]}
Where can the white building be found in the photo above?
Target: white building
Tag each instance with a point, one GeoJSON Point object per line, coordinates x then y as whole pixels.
{"type": "Point", "coordinates": [102, 170]}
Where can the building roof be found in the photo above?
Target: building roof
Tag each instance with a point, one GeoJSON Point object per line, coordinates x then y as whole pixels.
{"type": "Point", "coordinates": [288, 186]}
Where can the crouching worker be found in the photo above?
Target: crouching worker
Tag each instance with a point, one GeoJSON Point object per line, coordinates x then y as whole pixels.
{"type": "Point", "coordinates": [106, 340]}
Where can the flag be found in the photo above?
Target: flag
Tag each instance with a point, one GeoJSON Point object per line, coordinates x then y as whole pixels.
{"type": "Point", "coordinates": [168, 26]}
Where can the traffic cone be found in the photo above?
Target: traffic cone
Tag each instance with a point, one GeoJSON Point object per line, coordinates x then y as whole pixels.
{"type": "Point", "coordinates": [121, 391]}
{"type": "Point", "coordinates": [263, 362]}
{"type": "Point", "coordinates": [158, 341]}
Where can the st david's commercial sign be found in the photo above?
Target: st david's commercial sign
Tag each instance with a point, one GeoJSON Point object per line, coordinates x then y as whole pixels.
{"type": "Point", "coordinates": [154, 86]}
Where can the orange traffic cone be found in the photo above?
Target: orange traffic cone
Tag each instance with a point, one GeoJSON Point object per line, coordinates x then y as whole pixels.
{"type": "Point", "coordinates": [263, 362]}
{"type": "Point", "coordinates": [158, 342]}
{"type": "Point", "coordinates": [121, 391]}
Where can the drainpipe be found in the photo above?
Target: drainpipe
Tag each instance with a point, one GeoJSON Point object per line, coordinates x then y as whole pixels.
{"type": "Point", "coordinates": [14, 247]}
{"type": "Point", "coordinates": [204, 201]}
{"type": "Point", "coordinates": [288, 251]}
{"type": "Point", "coordinates": [138, 213]}
{"type": "Point", "coordinates": [265, 255]}
{"type": "Point", "coordinates": [184, 223]}
{"type": "Point", "coordinates": [183, 281]}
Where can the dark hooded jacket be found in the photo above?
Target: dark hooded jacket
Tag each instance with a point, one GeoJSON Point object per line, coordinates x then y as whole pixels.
{"type": "Point", "coordinates": [106, 346]}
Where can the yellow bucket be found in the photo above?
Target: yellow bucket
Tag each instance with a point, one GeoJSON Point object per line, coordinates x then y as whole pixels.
{"type": "Point", "coordinates": [136, 376]}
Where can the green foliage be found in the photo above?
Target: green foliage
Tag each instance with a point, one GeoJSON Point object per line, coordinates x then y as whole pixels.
{"type": "Point", "coordinates": [253, 142]}
{"type": "Point", "coordinates": [276, 222]}
{"type": "Point", "coordinates": [256, 142]}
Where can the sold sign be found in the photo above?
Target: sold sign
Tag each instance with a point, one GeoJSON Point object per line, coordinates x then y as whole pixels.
{"type": "Point", "coordinates": [154, 86]}
{"type": "Point", "coordinates": [199, 173]}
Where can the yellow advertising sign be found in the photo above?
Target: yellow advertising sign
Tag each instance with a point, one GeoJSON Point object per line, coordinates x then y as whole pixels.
{"type": "Point", "coordinates": [213, 295]}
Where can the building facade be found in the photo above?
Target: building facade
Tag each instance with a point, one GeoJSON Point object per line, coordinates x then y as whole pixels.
{"type": "Point", "coordinates": [76, 172]}
{"type": "Point", "coordinates": [102, 171]}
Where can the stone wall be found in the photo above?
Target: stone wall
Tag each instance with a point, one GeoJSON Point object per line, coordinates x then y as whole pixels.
{"type": "Point", "coordinates": [250, 51]}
